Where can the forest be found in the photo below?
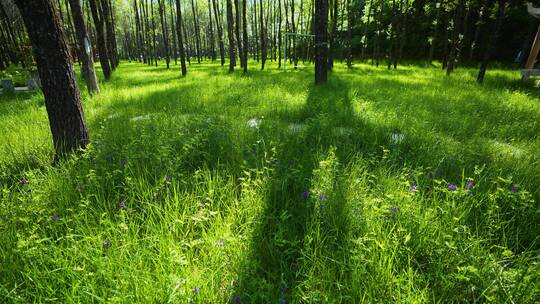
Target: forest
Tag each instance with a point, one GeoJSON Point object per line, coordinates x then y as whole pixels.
{"type": "Point", "coordinates": [269, 151]}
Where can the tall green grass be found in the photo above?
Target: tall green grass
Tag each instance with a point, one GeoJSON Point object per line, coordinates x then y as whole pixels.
{"type": "Point", "coordinates": [263, 188]}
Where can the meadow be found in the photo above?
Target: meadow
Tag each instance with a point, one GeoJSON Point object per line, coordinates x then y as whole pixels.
{"type": "Point", "coordinates": [381, 186]}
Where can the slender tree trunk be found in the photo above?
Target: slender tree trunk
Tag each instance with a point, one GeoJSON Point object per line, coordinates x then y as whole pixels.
{"type": "Point", "coordinates": [211, 32]}
{"type": "Point", "coordinates": [350, 21]}
{"type": "Point", "coordinates": [85, 48]}
{"type": "Point", "coordinates": [492, 40]}
{"type": "Point", "coordinates": [154, 41]}
{"type": "Point", "coordinates": [99, 23]}
{"type": "Point", "coordinates": [180, 38]}
{"type": "Point", "coordinates": [197, 31]}
{"type": "Point", "coordinates": [237, 32]}
{"type": "Point", "coordinates": [333, 33]}
{"type": "Point", "coordinates": [263, 35]}
{"type": "Point", "coordinates": [434, 40]}
{"type": "Point", "coordinates": [110, 37]}
{"type": "Point", "coordinates": [255, 29]}
{"type": "Point", "coordinates": [230, 34]}
{"type": "Point", "coordinates": [280, 46]}
{"type": "Point", "coordinates": [366, 26]}
{"type": "Point", "coordinates": [219, 27]}
{"type": "Point", "coordinates": [161, 4]}
{"type": "Point", "coordinates": [140, 53]}
{"type": "Point", "coordinates": [62, 97]}
{"type": "Point", "coordinates": [483, 14]}
{"type": "Point", "coordinates": [454, 51]}
{"type": "Point", "coordinates": [173, 33]}
{"type": "Point", "coordinates": [15, 53]}
{"type": "Point", "coordinates": [245, 35]}
{"type": "Point", "coordinates": [321, 41]}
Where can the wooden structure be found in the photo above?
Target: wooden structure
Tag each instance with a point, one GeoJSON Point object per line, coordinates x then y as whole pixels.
{"type": "Point", "coordinates": [529, 66]}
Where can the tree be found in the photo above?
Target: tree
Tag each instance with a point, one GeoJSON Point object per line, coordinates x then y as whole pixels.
{"type": "Point", "coordinates": [180, 38]}
{"type": "Point", "coordinates": [164, 32]}
{"type": "Point", "coordinates": [99, 24]}
{"type": "Point", "coordinates": [55, 67]}
{"type": "Point", "coordinates": [492, 40]}
{"type": "Point", "coordinates": [454, 49]}
{"type": "Point", "coordinates": [237, 32]}
{"type": "Point", "coordinates": [211, 33]}
{"type": "Point", "coordinates": [219, 27]}
{"type": "Point", "coordinates": [230, 33]}
{"type": "Point", "coordinates": [106, 14]}
{"type": "Point", "coordinates": [85, 47]}
{"type": "Point", "coordinates": [197, 31]}
{"type": "Point", "coordinates": [245, 36]}
{"type": "Point", "coordinates": [263, 36]}
{"type": "Point", "coordinates": [321, 41]}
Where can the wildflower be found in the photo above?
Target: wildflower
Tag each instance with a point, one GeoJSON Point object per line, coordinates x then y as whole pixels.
{"type": "Point", "coordinates": [413, 188]}
{"type": "Point", "coordinates": [24, 181]}
{"type": "Point", "coordinates": [394, 211]}
{"type": "Point", "coordinates": [322, 206]}
{"type": "Point", "coordinates": [306, 194]}
{"type": "Point", "coordinates": [237, 299]}
{"type": "Point", "coordinates": [452, 187]}
{"type": "Point", "coordinates": [168, 178]}
{"type": "Point", "coordinates": [514, 188]}
{"type": "Point", "coordinates": [355, 211]}
{"type": "Point", "coordinates": [55, 218]}
{"type": "Point", "coordinates": [106, 244]}
{"type": "Point", "coordinates": [323, 197]}
{"type": "Point", "coordinates": [283, 298]}
{"type": "Point", "coordinates": [122, 204]}
{"type": "Point", "coordinates": [196, 289]}
{"type": "Point", "coordinates": [469, 185]}
{"type": "Point", "coordinates": [220, 243]}
{"type": "Point", "coordinates": [254, 152]}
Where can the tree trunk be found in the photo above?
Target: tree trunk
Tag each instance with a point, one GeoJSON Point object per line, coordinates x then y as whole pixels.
{"type": "Point", "coordinates": [85, 48]}
{"type": "Point", "coordinates": [110, 36]}
{"type": "Point", "coordinates": [99, 23]}
{"type": "Point", "coordinates": [454, 50]}
{"type": "Point", "coordinates": [211, 32]}
{"type": "Point", "coordinates": [333, 33]}
{"type": "Point", "coordinates": [492, 40]}
{"type": "Point", "coordinates": [262, 31]}
{"type": "Point", "coordinates": [321, 42]}
{"type": "Point", "coordinates": [154, 42]}
{"type": "Point", "coordinates": [237, 32]}
{"type": "Point", "coordinates": [245, 35]}
{"type": "Point", "coordinates": [350, 21]}
{"type": "Point", "coordinates": [164, 31]}
{"type": "Point", "coordinates": [435, 33]}
{"type": "Point", "coordinates": [197, 31]}
{"type": "Point", "coordinates": [180, 38]}
{"type": "Point", "coordinates": [279, 34]}
{"type": "Point", "coordinates": [62, 97]}
{"type": "Point", "coordinates": [219, 27]}
{"type": "Point", "coordinates": [230, 33]}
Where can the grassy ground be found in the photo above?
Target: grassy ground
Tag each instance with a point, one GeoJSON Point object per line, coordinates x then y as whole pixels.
{"type": "Point", "coordinates": [266, 189]}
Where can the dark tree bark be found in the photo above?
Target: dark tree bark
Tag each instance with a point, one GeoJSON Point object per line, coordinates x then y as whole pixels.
{"type": "Point", "coordinates": [350, 20]}
{"type": "Point", "coordinates": [140, 53]}
{"type": "Point", "coordinates": [219, 27]}
{"type": "Point", "coordinates": [99, 24]}
{"type": "Point", "coordinates": [279, 34]}
{"type": "Point", "coordinates": [14, 51]}
{"type": "Point", "coordinates": [85, 48]}
{"type": "Point", "coordinates": [197, 31]}
{"type": "Point", "coordinates": [245, 35]}
{"type": "Point", "coordinates": [62, 97]}
{"type": "Point", "coordinates": [164, 31]}
{"type": "Point", "coordinates": [333, 33]}
{"type": "Point", "coordinates": [434, 39]}
{"type": "Point", "coordinates": [365, 40]}
{"type": "Point", "coordinates": [173, 35]}
{"type": "Point", "coordinates": [254, 28]}
{"type": "Point", "coordinates": [454, 49]}
{"type": "Point", "coordinates": [263, 36]}
{"type": "Point", "coordinates": [110, 36]}
{"type": "Point", "coordinates": [492, 40]}
{"type": "Point", "coordinates": [154, 42]}
{"type": "Point", "coordinates": [180, 38]}
{"type": "Point", "coordinates": [294, 56]}
{"type": "Point", "coordinates": [483, 14]}
{"type": "Point", "coordinates": [237, 33]}
{"type": "Point", "coordinates": [321, 41]}
{"type": "Point", "coordinates": [230, 33]}
{"type": "Point", "coordinates": [211, 33]}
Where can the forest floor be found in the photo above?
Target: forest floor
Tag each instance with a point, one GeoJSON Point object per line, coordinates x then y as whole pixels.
{"type": "Point", "coordinates": [381, 186]}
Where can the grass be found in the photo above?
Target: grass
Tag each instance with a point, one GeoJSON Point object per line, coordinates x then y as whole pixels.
{"type": "Point", "coordinates": [264, 188]}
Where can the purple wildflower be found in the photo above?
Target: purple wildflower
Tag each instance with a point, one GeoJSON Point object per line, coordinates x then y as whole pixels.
{"type": "Point", "coordinates": [196, 289]}
{"type": "Point", "coordinates": [413, 188]}
{"type": "Point", "coordinates": [24, 181]}
{"type": "Point", "coordinates": [469, 185]}
{"type": "Point", "coordinates": [55, 218]}
{"type": "Point", "coordinates": [452, 187]}
{"type": "Point", "coordinates": [514, 188]}
{"type": "Point", "coordinates": [122, 204]}
{"type": "Point", "coordinates": [106, 244]}
{"type": "Point", "coordinates": [168, 178]}
{"type": "Point", "coordinates": [237, 299]}
{"type": "Point", "coordinates": [306, 194]}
